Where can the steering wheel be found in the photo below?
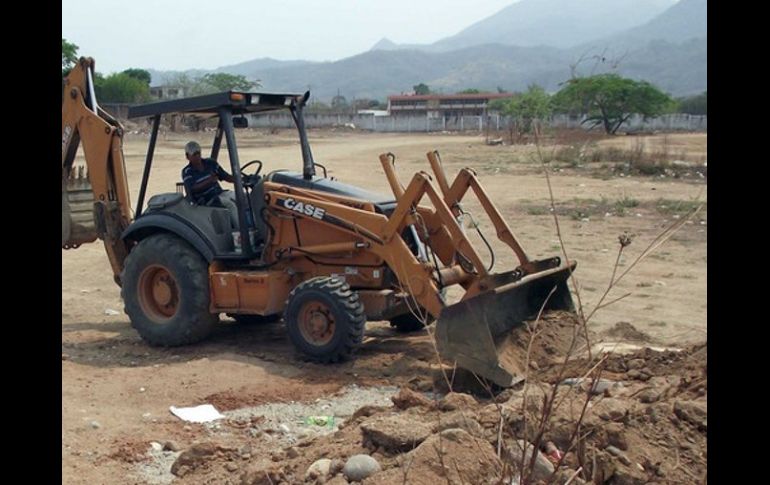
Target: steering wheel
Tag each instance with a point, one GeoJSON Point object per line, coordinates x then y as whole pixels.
{"type": "Point", "coordinates": [259, 169]}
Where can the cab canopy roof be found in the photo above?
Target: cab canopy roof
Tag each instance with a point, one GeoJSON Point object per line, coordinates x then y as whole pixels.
{"type": "Point", "coordinates": [236, 102]}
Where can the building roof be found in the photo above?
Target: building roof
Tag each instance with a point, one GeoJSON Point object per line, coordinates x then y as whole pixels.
{"type": "Point", "coordinates": [426, 97]}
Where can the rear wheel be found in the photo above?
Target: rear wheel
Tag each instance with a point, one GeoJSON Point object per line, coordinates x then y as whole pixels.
{"type": "Point", "coordinates": [325, 319]}
{"type": "Point", "coordinates": [166, 292]}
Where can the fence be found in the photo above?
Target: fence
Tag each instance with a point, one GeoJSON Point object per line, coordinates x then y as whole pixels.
{"type": "Point", "coordinates": [409, 124]}
{"type": "Point", "coordinates": [671, 122]}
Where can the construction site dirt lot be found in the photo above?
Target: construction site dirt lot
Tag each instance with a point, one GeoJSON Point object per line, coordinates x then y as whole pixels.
{"type": "Point", "coordinates": [117, 390]}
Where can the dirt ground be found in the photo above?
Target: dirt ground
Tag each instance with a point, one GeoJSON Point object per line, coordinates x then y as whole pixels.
{"type": "Point", "coordinates": [116, 390]}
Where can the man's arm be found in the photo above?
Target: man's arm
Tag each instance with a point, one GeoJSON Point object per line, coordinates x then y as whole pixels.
{"type": "Point", "coordinates": [222, 174]}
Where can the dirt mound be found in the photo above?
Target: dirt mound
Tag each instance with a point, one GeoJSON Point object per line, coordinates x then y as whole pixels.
{"type": "Point", "coordinates": [625, 430]}
{"type": "Point", "coordinates": [627, 332]}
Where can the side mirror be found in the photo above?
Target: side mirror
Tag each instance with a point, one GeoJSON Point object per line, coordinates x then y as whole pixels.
{"type": "Point", "coordinates": [241, 122]}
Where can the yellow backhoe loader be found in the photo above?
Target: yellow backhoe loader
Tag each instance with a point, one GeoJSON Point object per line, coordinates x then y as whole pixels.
{"type": "Point", "coordinates": [322, 255]}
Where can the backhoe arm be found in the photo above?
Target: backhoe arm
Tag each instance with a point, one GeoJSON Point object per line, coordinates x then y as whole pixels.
{"type": "Point", "coordinates": [95, 204]}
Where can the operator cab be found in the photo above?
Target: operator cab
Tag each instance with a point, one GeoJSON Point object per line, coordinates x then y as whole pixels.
{"type": "Point", "coordinates": [210, 229]}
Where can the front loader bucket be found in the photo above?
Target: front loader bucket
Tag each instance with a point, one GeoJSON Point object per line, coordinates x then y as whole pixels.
{"type": "Point", "coordinates": [77, 209]}
{"type": "Point", "coordinates": [472, 331]}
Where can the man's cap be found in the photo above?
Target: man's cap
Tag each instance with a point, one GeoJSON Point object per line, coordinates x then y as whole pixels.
{"type": "Point", "coordinates": [192, 147]}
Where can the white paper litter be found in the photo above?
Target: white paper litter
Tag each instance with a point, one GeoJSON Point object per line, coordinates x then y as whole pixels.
{"type": "Point", "coordinates": [198, 414]}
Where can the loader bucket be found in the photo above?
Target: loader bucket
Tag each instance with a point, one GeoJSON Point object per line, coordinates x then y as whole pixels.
{"type": "Point", "coordinates": [472, 332]}
{"type": "Point", "coordinates": [77, 207]}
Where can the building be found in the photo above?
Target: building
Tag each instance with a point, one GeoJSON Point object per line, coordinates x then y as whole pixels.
{"type": "Point", "coordinates": [442, 105]}
{"type": "Point", "coordinates": [167, 92]}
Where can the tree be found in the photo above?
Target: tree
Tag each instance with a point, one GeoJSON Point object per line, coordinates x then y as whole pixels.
{"type": "Point", "coordinates": [609, 100]}
{"type": "Point", "coordinates": [121, 88]}
{"type": "Point", "coordinates": [527, 109]}
{"type": "Point", "coordinates": [421, 88]}
{"type": "Point", "coordinates": [69, 56]}
{"type": "Point", "coordinates": [222, 81]}
{"type": "Point", "coordinates": [139, 74]}
{"type": "Point", "coordinates": [694, 105]}
{"type": "Point", "coordinates": [469, 91]}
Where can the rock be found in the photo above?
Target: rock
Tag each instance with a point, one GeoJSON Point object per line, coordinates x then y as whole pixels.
{"type": "Point", "coordinates": [468, 460]}
{"type": "Point", "coordinates": [516, 450]}
{"type": "Point", "coordinates": [194, 456]}
{"type": "Point", "coordinates": [365, 412]}
{"type": "Point", "coordinates": [565, 474]}
{"type": "Point", "coordinates": [628, 477]}
{"type": "Point", "coordinates": [231, 467]}
{"type": "Point", "coordinates": [319, 468]}
{"type": "Point", "coordinates": [336, 466]}
{"type": "Point", "coordinates": [269, 476]}
{"type": "Point", "coordinates": [170, 446]}
{"type": "Point", "coordinates": [648, 396]}
{"type": "Point", "coordinates": [634, 374]}
{"type": "Point", "coordinates": [292, 452]}
{"type": "Point", "coordinates": [338, 480]}
{"type": "Point", "coordinates": [619, 454]}
{"type": "Point", "coordinates": [359, 467]}
{"type": "Point", "coordinates": [278, 455]}
{"type": "Point", "coordinates": [156, 446]}
{"type": "Point", "coordinates": [407, 398]}
{"type": "Point", "coordinates": [603, 385]}
{"type": "Point", "coordinates": [65, 356]}
{"type": "Point", "coordinates": [396, 432]}
{"type": "Point", "coordinates": [616, 436]}
{"type": "Point", "coordinates": [459, 419]}
{"type": "Point", "coordinates": [95, 424]}
{"type": "Point", "coordinates": [611, 409]}
{"type": "Point", "coordinates": [694, 412]}
{"type": "Point", "coordinates": [457, 400]}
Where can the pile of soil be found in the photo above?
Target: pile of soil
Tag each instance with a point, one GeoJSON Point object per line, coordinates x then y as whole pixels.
{"type": "Point", "coordinates": [611, 419]}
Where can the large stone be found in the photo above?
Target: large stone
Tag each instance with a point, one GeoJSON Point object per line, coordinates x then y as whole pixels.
{"type": "Point", "coordinates": [193, 457]}
{"type": "Point", "coordinates": [694, 412]}
{"type": "Point", "coordinates": [610, 409]}
{"type": "Point", "coordinates": [395, 433]}
{"type": "Point", "coordinates": [338, 480]}
{"type": "Point", "coordinates": [452, 456]}
{"type": "Point", "coordinates": [359, 467]}
{"type": "Point", "coordinates": [515, 450]}
{"type": "Point", "coordinates": [459, 419]}
{"type": "Point", "coordinates": [407, 398]}
{"type": "Point", "coordinates": [457, 400]}
{"type": "Point", "coordinates": [269, 476]}
{"type": "Point", "coordinates": [319, 468]}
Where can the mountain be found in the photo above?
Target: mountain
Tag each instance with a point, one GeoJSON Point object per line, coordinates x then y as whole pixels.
{"type": "Point", "coordinates": [669, 50]}
{"type": "Point", "coordinates": [684, 21]}
{"type": "Point", "coordinates": [554, 23]}
{"type": "Point", "coordinates": [251, 69]}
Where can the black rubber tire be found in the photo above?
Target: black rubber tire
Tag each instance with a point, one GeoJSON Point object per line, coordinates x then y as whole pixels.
{"type": "Point", "coordinates": [254, 319]}
{"type": "Point", "coordinates": [192, 321]}
{"type": "Point", "coordinates": [344, 305]}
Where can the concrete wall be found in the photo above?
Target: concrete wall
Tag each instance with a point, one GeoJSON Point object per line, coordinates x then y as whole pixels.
{"type": "Point", "coordinates": [672, 122]}
{"type": "Point", "coordinates": [410, 124]}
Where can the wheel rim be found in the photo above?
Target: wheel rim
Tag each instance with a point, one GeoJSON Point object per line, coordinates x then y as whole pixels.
{"type": "Point", "coordinates": [158, 293]}
{"type": "Point", "coordinates": [316, 323]}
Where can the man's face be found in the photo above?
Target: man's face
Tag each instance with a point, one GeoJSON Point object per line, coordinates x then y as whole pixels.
{"type": "Point", "coordinates": [194, 157]}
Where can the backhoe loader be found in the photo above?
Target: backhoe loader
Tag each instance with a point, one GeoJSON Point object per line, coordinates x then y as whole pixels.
{"type": "Point", "coordinates": [324, 256]}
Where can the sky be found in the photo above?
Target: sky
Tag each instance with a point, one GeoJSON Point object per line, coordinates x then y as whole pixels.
{"type": "Point", "coordinates": [206, 34]}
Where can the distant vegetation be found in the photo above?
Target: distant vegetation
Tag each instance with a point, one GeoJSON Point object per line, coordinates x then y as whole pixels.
{"type": "Point", "coordinates": [694, 105]}
{"type": "Point", "coordinates": [609, 100]}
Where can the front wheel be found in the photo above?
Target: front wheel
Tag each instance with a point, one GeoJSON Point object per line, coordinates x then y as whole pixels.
{"type": "Point", "coordinates": [166, 292]}
{"type": "Point", "coordinates": [325, 319]}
